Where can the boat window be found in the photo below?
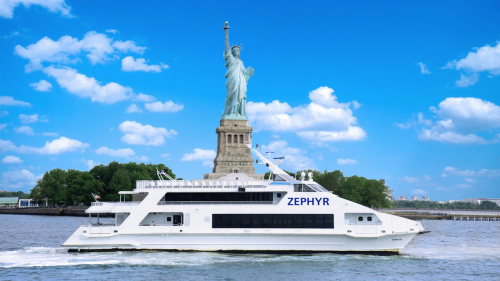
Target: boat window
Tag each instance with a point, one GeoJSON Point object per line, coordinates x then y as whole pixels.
{"type": "Point", "coordinates": [217, 196]}
{"type": "Point", "coordinates": [318, 187]}
{"type": "Point", "coordinates": [278, 195]}
{"type": "Point", "coordinates": [369, 218]}
{"type": "Point", "coordinates": [320, 221]}
{"type": "Point", "coordinates": [360, 218]}
{"type": "Point", "coordinates": [169, 218]}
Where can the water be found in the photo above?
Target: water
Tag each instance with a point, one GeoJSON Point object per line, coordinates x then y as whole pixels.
{"type": "Point", "coordinates": [454, 250]}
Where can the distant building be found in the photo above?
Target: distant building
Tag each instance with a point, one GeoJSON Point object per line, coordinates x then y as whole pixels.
{"type": "Point", "coordinates": [26, 203]}
{"type": "Point", "coordinates": [441, 202]}
{"type": "Point", "coordinates": [451, 201]}
{"type": "Point", "coordinates": [479, 200]}
{"type": "Point", "coordinates": [424, 198]}
{"type": "Point", "coordinates": [3, 190]}
{"type": "Point", "coordinates": [9, 201]}
{"type": "Point", "coordinates": [403, 198]}
{"type": "Point", "coordinates": [414, 198]}
{"type": "Point", "coordinates": [389, 195]}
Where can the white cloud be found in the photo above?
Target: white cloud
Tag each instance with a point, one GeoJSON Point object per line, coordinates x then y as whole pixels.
{"type": "Point", "coordinates": [129, 64]}
{"type": "Point", "coordinates": [324, 119]}
{"type": "Point", "coordinates": [56, 6]}
{"type": "Point", "coordinates": [467, 80]}
{"type": "Point", "coordinates": [199, 154]}
{"type": "Point", "coordinates": [410, 179]}
{"type": "Point", "coordinates": [24, 130]}
{"type": "Point", "coordinates": [114, 31]}
{"type": "Point", "coordinates": [418, 192]}
{"type": "Point", "coordinates": [18, 179]}
{"type": "Point", "coordinates": [423, 68]}
{"type": "Point", "coordinates": [6, 100]}
{"type": "Point", "coordinates": [346, 161]}
{"type": "Point", "coordinates": [295, 158]}
{"type": "Point", "coordinates": [468, 173]}
{"type": "Point", "coordinates": [168, 106]}
{"type": "Point", "coordinates": [458, 119]}
{"type": "Point", "coordinates": [483, 59]}
{"type": "Point", "coordinates": [12, 160]}
{"type": "Point", "coordinates": [2, 126]}
{"type": "Point", "coordinates": [50, 134]}
{"type": "Point", "coordinates": [98, 47]}
{"type": "Point", "coordinates": [144, 98]}
{"type": "Point", "coordinates": [404, 126]}
{"type": "Point", "coordinates": [88, 87]}
{"type": "Point", "coordinates": [122, 152]}
{"type": "Point", "coordinates": [470, 180]}
{"type": "Point", "coordinates": [58, 146]}
{"type": "Point", "coordinates": [165, 155]}
{"type": "Point", "coordinates": [356, 104]}
{"type": "Point", "coordinates": [133, 109]}
{"type": "Point", "coordinates": [4, 113]}
{"type": "Point", "coordinates": [136, 133]}
{"type": "Point", "coordinates": [29, 118]}
{"type": "Point", "coordinates": [42, 86]}
{"type": "Point", "coordinates": [143, 158]}
{"type": "Point", "coordinates": [91, 164]}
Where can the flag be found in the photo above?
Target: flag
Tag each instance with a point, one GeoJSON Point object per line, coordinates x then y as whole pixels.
{"type": "Point", "coordinates": [96, 196]}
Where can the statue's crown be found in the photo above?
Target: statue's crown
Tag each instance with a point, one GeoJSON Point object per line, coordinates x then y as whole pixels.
{"type": "Point", "coordinates": [237, 46]}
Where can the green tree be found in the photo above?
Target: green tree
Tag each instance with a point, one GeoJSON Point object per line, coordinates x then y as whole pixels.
{"type": "Point", "coordinates": [53, 186]}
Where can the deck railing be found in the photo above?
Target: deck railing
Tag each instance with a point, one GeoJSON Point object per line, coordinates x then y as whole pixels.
{"type": "Point", "coordinates": [102, 204]}
{"type": "Point", "coordinates": [200, 184]}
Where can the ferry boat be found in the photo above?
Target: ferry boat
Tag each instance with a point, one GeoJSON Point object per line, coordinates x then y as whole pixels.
{"type": "Point", "coordinates": [237, 213]}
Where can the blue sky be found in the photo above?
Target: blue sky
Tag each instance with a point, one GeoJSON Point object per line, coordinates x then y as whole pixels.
{"type": "Point", "coordinates": [407, 92]}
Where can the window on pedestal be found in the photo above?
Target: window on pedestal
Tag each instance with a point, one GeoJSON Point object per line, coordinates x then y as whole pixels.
{"type": "Point", "coordinates": [229, 139]}
{"type": "Point", "coordinates": [241, 139]}
{"type": "Point", "coordinates": [236, 139]}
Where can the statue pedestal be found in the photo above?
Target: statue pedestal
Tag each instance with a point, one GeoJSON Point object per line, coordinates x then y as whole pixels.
{"type": "Point", "coordinates": [233, 156]}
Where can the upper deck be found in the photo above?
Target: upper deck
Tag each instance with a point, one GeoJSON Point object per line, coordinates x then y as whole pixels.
{"type": "Point", "coordinates": [150, 184]}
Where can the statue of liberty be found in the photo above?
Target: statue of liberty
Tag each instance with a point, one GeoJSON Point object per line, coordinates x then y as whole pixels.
{"type": "Point", "coordinates": [237, 77]}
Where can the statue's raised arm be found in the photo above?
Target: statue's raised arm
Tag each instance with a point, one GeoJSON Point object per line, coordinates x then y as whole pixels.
{"type": "Point", "coordinates": [237, 77]}
{"type": "Point", "coordinates": [226, 32]}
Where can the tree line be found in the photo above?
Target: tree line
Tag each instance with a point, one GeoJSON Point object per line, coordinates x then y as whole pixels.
{"type": "Point", "coordinates": [19, 194]}
{"type": "Point", "coordinates": [485, 205]}
{"type": "Point", "coordinates": [73, 187]}
{"type": "Point", "coordinates": [367, 192]}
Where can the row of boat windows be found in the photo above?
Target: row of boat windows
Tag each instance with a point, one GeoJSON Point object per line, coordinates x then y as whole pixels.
{"type": "Point", "coordinates": [219, 196]}
{"type": "Point", "coordinates": [272, 221]}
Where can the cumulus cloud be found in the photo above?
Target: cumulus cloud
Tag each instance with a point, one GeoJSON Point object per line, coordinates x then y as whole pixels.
{"type": "Point", "coordinates": [56, 6]}
{"type": "Point", "coordinates": [114, 31]}
{"type": "Point", "coordinates": [296, 158]}
{"type": "Point", "coordinates": [42, 86]}
{"type": "Point", "coordinates": [418, 192]}
{"type": "Point", "coordinates": [12, 160]}
{"type": "Point", "coordinates": [483, 59]}
{"type": "Point", "coordinates": [122, 152]}
{"type": "Point", "coordinates": [88, 87]}
{"type": "Point", "coordinates": [10, 101]}
{"type": "Point", "coordinates": [324, 119]}
{"type": "Point", "coordinates": [57, 146]}
{"type": "Point", "coordinates": [143, 98]}
{"type": "Point", "coordinates": [50, 134]}
{"type": "Point", "coordinates": [199, 154]}
{"type": "Point", "coordinates": [168, 106]}
{"type": "Point", "coordinates": [346, 161]}
{"type": "Point", "coordinates": [24, 130]}
{"type": "Point", "coordinates": [18, 179]}
{"type": "Point", "coordinates": [458, 119]}
{"type": "Point", "coordinates": [30, 118]}
{"type": "Point", "coordinates": [98, 47]}
{"type": "Point", "coordinates": [133, 109]}
{"type": "Point", "coordinates": [131, 64]}
{"type": "Point", "coordinates": [2, 126]}
{"type": "Point", "coordinates": [423, 68]}
{"type": "Point", "coordinates": [468, 173]}
{"type": "Point", "coordinates": [423, 178]}
{"type": "Point", "coordinates": [404, 126]}
{"type": "Point", "coordinates": [136, 133]}
{"type": "Point", "coordinates": [91, 164]}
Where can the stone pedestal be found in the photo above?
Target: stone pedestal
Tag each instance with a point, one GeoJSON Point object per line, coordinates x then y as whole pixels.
{"type": "Point", "coordinates": [233, 156]}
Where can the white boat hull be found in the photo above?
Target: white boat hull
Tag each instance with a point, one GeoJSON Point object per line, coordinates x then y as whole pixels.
{"type": "Point", "coordinates": [244, 242]}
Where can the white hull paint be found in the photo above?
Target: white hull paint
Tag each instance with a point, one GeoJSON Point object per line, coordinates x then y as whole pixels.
{"type": "Point", "coordinates": [242, 242]}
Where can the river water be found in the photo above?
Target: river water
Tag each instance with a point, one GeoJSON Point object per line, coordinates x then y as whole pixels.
{"type": "Point", "coordinates": [454, 250]}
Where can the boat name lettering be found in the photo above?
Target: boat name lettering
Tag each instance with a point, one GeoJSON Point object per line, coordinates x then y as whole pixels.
{"type": "Point", "coordinates": [308, 201]}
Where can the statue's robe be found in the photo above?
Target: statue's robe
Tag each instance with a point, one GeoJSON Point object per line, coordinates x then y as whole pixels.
{"type": "Point", "coordinates": [236, 85]}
